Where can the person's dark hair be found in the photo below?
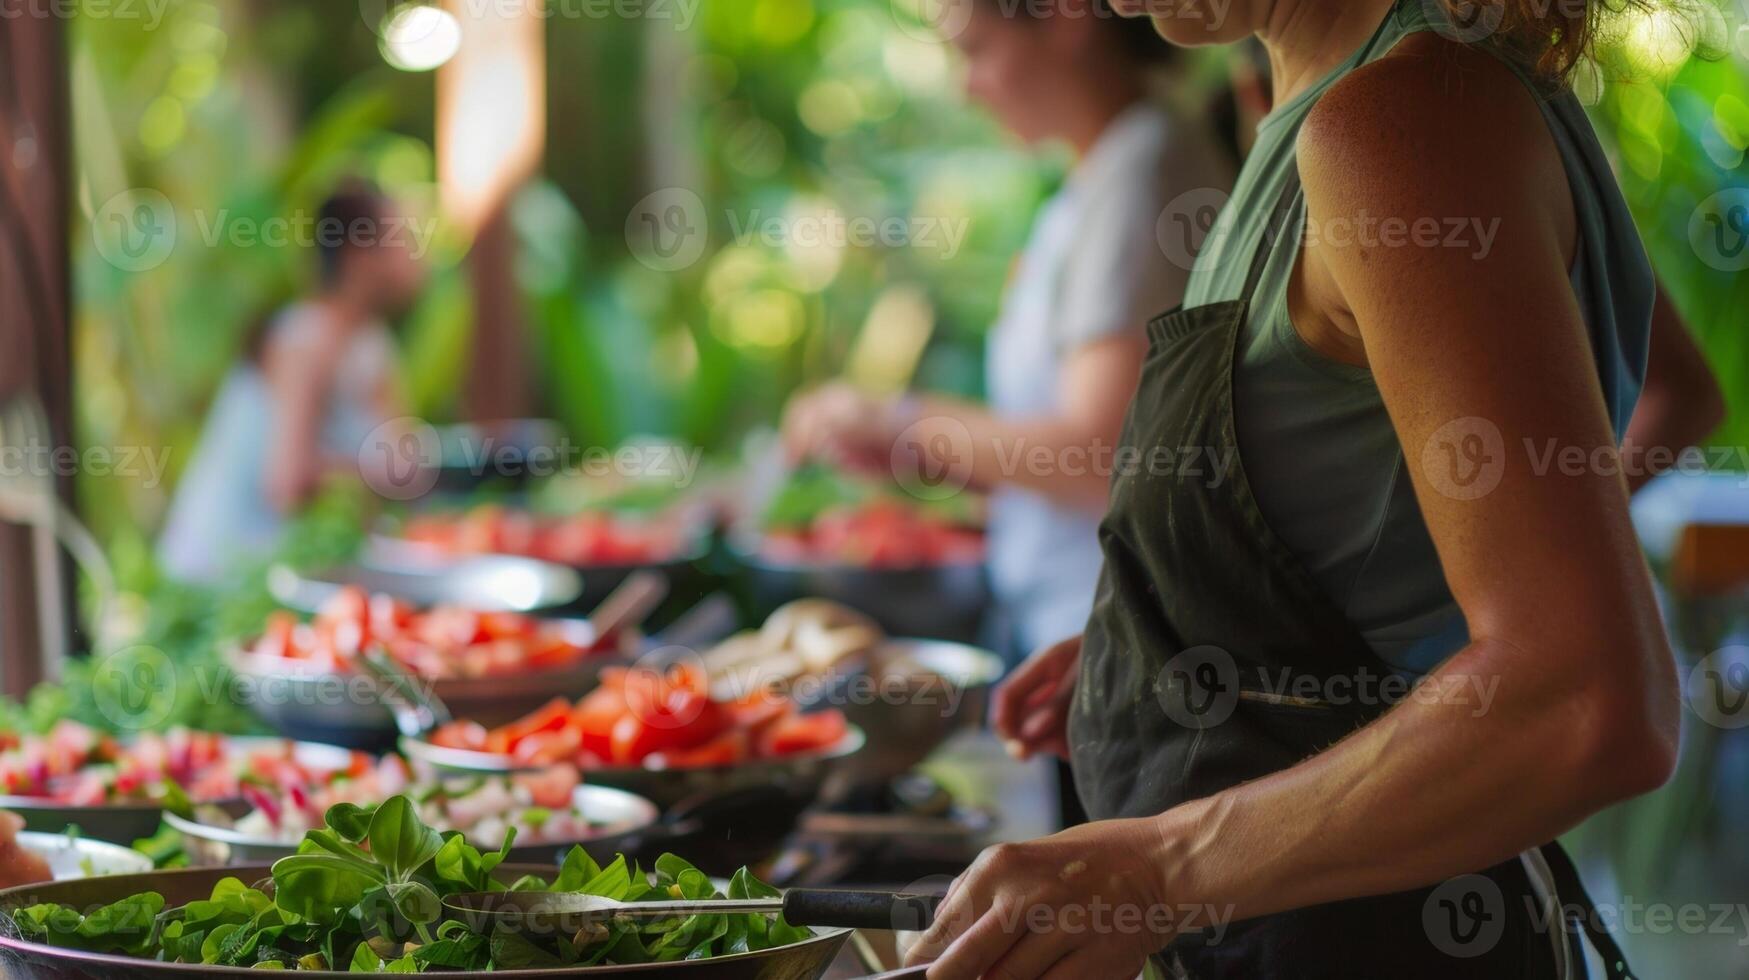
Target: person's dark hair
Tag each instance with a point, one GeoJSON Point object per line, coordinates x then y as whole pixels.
{"type": "Point", "coordinates": [353, 209]}
{"type": "Point", "coordinates": [1551, 37]}
{"type": "Point", "coordinates": [1133, 37]}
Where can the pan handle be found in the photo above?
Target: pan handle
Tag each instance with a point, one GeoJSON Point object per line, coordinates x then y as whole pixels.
{"type": "Point", "coordinates": [417, 710]}
{"type": "Point", "coordinates": [846, 909]}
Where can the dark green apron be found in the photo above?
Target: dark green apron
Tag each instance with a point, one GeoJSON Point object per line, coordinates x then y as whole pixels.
{"type": "Point", "coordinates": [1202, 620]}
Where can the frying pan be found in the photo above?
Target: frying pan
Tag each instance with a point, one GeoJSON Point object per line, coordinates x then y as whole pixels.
{"type": "Point", "coordinates": [806, 960]}
{"type": "Point", "coordinates": [620, 819]}
{"type": "Point", "coordinates": [127, 822]}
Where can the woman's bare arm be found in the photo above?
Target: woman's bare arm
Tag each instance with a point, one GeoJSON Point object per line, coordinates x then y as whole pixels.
{"type": "Point", "coordinates": [1680, 403]}
{"type": "Point", "coordinates": [296, 382]}
{"type": "Point", "coordinates": [1470, 352]}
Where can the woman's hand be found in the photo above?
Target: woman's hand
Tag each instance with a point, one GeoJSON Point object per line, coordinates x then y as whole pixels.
{"type": "Point", "coordinates": [1031, 710]}
{"type": "Point", "coordinates": [1087, 903]}
{"type": "Point", "coordinates": [843, 424]}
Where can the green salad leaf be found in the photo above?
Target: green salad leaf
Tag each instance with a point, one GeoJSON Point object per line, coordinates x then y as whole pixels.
{"type": "Point", "coordinates": [365, 894]}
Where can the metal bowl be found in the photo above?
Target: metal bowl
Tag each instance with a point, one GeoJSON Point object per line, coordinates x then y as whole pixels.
{"type": "Point", "coordinates": [806, 960]}
{"type": "Point", "coordinates": [620, 818]}
{"type": "Point", "coordinates": [907, 716]}
{"type": "Point", "coordinates": [489, 583]}
{"type": "Point", "coordinates": [799, 776]}
{"type": "Point", "coordinates": [944, 602]}
{"type": "Point", "coordinates": [349, 709]}
{"type": "Point", "coordinates": [72, 857]}
{"type": "Point", "coordinates": [125, 823]}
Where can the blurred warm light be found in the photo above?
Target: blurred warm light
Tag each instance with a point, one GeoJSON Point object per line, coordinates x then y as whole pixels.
{"type": "Point", "coordinates": [782, 22]}
{"type": "Point", "coordinates": [829, 107]}
{"type": "Point", "coordinates": [1657, 40]}
{"type": "Point", "coordinates": [491, 109]}
{"type": "Point", "coordinates": [734, 269]}
{"type": "Point", "coordinates": [816, 243]}
{"type": "Point", "coordinates": [892, 340]}
{"type": "Point", "coordinates": [163, 123]}
{"type": "Point", "coordinates": [766, 318]}
{"type": "Point", "coordinates": [420, 37]}
{"type": "Point", "coordinates": [914, 64]}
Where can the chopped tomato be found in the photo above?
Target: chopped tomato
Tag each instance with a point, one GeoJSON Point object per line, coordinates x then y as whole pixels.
{"type": "Point", "coordinates": [804, 733]}
{"type": "Point", "coordinates": [551, 787]}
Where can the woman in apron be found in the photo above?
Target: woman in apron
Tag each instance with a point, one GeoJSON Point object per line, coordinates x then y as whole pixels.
{"type": "Point", "coordinates": [1062, 358]}
{"type": "Point", "coordinates": [1330, 709]}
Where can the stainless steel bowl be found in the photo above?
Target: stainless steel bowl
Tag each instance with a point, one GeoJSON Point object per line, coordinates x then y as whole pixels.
{"type": "Point", "coordinates": [945, 602]}
{"type": "Point", "coordinates": [489, 583]}
{"type": "Point", "coordinates": [125, 823]}
{"type": "Point", "coordinates": [619, 817]}
{"type": "Point", "coordinates": [798, 776]}
{"type": "Point", "coordinates": [72, 857]}
{"type": "Point", "coordinates": [907, 715]}
{"type": "Point", "coordinates": [305, 703]}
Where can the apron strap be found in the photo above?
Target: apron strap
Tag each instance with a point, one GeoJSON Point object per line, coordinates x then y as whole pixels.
{"type": "Point", "coordinates": [1570, 892]}
{"type": "Point", "coordinates": [1273, 231]}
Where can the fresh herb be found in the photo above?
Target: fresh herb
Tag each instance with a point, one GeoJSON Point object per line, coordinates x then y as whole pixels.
{"type": "Point", "coordinates": [365, 893]}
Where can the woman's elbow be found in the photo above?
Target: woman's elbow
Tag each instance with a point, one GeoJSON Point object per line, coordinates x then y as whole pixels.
{"type": "Point", "coordinates": [1631, 733]}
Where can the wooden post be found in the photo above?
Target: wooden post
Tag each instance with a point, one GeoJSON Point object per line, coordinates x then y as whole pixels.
{"type": "Point", "coordinates": [491, 136]}
{"type": "Point", "coordinates": [35, 173]}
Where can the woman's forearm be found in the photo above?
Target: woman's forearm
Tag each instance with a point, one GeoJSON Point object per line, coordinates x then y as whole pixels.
{"type": "Point", "coordinates": [1060, 458]}
{"type": "Point", "coordinates": [1495, 754]}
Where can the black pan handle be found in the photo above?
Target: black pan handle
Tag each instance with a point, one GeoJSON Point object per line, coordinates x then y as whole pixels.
{"type": "Point", "coordinates": [844, 909]}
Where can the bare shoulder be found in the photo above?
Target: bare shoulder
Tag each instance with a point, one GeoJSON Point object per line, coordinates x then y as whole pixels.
{"type": "Point", "coordinates": [1433, 124]}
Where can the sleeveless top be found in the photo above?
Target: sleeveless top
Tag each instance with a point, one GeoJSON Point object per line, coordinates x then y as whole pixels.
{"type": "Point", "coordinates": [220, 521]}
{"type": "Point", "coordinates": [1324, 460]}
